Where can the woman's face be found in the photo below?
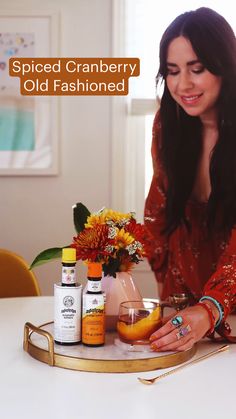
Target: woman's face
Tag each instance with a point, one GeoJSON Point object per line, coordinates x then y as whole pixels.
{"type": "Point", "coordinates": [190, 84]}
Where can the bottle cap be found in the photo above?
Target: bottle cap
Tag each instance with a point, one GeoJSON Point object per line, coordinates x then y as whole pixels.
{"type": "Point", "coordinates": [94, 270]}
{"type": "Point", "coordinates": [69, 255]}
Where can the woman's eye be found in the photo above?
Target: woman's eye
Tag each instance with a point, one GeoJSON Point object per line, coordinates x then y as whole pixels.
{"type": "Point", "coordinates": [198, 70]}
{"type": "Point", "coordinates": [172, 72]}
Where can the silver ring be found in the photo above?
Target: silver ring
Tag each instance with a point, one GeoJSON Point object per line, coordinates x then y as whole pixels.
{"type": "Point", "coordinates": [183, 331]}
{"type": "Point", "coordinates": [177, 321]}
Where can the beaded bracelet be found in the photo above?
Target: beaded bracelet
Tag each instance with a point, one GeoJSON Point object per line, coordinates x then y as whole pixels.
{"type": "Point", "coordinates": [218, 306]}
{"type": "Point", "coordinates": [211, 316]}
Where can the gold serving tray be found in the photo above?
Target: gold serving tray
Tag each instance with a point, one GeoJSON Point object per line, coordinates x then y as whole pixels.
{"type": "Point", "coordinates": [39, 343]}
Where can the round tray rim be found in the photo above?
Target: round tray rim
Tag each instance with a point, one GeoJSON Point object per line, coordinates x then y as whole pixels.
{"type": "Point", "coordinates": [101, 365]}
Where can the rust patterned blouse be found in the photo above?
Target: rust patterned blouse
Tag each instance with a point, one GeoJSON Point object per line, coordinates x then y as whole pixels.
{"type": "Point", "coordinates": [188, 262]}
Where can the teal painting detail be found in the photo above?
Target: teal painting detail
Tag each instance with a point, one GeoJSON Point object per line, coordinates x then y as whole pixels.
{"type": "Point", "coordinates": [16, 130]}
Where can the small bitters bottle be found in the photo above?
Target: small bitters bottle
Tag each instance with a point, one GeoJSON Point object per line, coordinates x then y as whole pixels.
{"type": "Point", "coordinates": [67, 302]}
{"type": "Point", "coordinates": [93, 318]}
{"type": "Point", "coordinates": [68, 277]}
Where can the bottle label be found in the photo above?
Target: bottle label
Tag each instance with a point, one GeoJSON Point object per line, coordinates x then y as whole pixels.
{"type": "Point", "coordinates": [94, 286]}
{"type": "Point", "coordinates": [93, 321]}
{"type": "Point", "coordinates": [68, 275]}
{"type": "Point", "coordinates": [67, 313]}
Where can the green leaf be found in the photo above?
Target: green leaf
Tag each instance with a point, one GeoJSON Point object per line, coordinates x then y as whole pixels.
{"type": "Point", "coordinates": [46, 256]}
{"type": "Point", "coordinates": [80, 213]}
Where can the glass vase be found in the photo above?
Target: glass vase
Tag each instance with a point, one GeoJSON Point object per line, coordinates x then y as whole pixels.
{"type": "Point", "coordinates": [119, 289]}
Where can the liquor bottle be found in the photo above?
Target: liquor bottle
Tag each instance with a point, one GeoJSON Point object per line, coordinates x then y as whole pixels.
{"type": "Point", "coordinates": [67, 302]}
{"type": "Point", "coordinates": [93, 318]}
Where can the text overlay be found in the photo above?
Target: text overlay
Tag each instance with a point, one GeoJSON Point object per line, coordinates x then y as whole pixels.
{"type": "Point", "coordinates": [74, 76]}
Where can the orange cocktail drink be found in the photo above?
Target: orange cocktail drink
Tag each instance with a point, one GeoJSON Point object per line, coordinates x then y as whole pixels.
{"type": "Point", "coordinates": [138, 320]}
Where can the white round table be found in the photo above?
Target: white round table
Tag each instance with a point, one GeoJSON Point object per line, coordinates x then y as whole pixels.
{"type": "Point", "coordinates": [31, 389]}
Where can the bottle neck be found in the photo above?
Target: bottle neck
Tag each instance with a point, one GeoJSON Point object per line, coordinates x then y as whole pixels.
{"type": "Point", "coordinates": [94, 285]}
{"type": "Point", "coordinates": [68, 277]}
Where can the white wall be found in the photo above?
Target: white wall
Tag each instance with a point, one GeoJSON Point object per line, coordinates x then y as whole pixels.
{"type": "Point", "coordinates": [36, 212]}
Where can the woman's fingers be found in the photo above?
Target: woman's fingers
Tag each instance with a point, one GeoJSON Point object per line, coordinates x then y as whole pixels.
{"type": "Point", "coordinates": [163, 331]}
{"type": "Point", "coordinates": [174, 340]}
{"type": "Point", "coordinates": [172, 324]}
{"type": "Point", "coordinates": [181, 331]}
{"type": "Point", "coordinates": [187, 343]}
{"type": "Point", "coordinates": [175, 334]}
{"type": "Point", "coordinates": [167, 340]}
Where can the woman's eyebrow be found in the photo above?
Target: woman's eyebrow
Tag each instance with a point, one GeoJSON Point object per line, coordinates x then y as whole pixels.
{"type": "Point", "coordinates": [189, 63]}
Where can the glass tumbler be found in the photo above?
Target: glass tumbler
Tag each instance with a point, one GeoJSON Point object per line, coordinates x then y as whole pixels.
{"type": "Point", "coordinates": [138, 320]}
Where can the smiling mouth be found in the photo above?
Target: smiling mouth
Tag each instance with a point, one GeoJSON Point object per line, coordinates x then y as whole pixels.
{"type": "Point", "coordinates": [190, 99]}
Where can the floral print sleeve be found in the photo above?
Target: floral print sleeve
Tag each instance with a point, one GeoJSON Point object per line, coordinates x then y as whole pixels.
{"type": "Point", "coordinates": [188, 261]}
{"type": "Point", "coordinates": [222, 284]}
{"type": "Point", "coordinates": [154, 211]}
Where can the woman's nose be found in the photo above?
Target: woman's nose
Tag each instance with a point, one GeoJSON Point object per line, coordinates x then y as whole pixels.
{"type": "Point", "coordinates": [185, 82]}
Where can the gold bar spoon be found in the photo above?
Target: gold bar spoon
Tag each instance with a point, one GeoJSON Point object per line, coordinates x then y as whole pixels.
{"type": "Point", "coordinates": [200, 358]}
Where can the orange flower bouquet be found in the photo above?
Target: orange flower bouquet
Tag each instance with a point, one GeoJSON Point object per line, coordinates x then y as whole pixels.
{"type": "Point", "coordinates": [115, 239]}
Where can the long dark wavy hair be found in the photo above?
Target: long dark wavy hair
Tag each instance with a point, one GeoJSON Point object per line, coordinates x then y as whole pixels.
{"type": "Point", "coordinates": [214, 43]}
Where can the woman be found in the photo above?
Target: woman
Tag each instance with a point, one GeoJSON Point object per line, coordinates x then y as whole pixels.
{"type": "Point", "coordinates": [190, 211]}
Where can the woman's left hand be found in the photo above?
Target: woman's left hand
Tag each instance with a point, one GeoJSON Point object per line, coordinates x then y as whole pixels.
{"type": "Point", "coordinates": [195, 324]}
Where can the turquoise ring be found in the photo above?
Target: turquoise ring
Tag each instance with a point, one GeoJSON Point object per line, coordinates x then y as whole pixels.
{"type": "Point", "coordinates": [177, 321]}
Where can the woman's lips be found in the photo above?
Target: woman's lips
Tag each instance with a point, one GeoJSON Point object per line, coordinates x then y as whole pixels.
{"type": "Point", "coordinates": [190, 100]}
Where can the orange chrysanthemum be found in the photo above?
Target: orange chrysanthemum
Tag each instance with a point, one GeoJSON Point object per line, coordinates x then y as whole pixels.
{"type": "Point", "coordinates": [91, 243]}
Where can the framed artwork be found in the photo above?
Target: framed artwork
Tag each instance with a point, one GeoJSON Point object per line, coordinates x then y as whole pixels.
{"type": "Point", "coordinates": [28, 124]}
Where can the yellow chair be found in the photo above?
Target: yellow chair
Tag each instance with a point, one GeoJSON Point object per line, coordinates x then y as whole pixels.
{"type": "Point", "coordinates": [15, 278]}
